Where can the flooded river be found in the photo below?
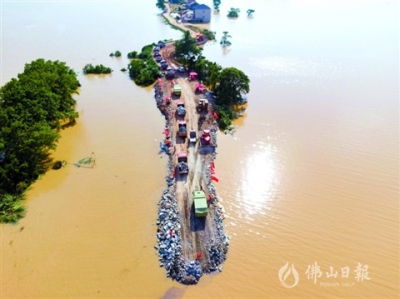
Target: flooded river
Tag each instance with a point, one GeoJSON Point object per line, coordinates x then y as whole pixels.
{"type": "Point", "coordinates": [310, 178]}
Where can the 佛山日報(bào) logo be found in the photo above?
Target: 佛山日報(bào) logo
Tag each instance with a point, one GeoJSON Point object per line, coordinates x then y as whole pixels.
{"type": "Point", "coordinates": [284, 273]}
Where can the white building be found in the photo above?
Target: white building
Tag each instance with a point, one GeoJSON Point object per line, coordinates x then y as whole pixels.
{"type": "Point", "coordinates": [201, 13]}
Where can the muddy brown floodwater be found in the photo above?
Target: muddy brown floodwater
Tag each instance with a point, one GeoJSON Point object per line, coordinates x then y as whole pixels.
{"type": "Point", "coordinates": [310, 176]}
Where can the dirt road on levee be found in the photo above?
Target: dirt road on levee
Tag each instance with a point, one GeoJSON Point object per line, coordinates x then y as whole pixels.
{"type": "Point", "coordinates": [188, 246]}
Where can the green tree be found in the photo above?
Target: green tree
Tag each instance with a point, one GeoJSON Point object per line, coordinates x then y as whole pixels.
{"type": "Point", "coordinates": [33, 108]}
{"type": "Point", "coordinates": [216, 4]}
{"type": "Point", "coordinates": [11, 208]}
{"type": "Point", "coordinates": [224, 40]}
{"type": "Point", "coordinates": [186, 49]}
{"type": "Point", "coordinates": [161, 4]}
{"type": "Point", "coordinates": [233, 13]}
{"type": "Point", "coordinates": [207, 71]}
{"type": "Point", "coordinates": [210, 35]}
{"type": "Point", "coordinates": [42, 93]}
{"type": "Point", "coordinates": [97, 69]}
{"type": "Point", "coordinates": [225, 116]}
{"type": "Point", "coordinates": [135, 67]}
{"type": "Point", "coordinates": [132, 55]}
{"type": "Point", "coordinates": [143, 69]}
{"type": "Point", "coordinates": [117, 54]}
{"type": "Point", "coordinates": [250, 12]}
{"type": "Point", "coordinates": [233, 83]}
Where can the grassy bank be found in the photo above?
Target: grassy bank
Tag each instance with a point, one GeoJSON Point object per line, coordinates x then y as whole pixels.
{"type": "Point", "coordinates": [167, 22]}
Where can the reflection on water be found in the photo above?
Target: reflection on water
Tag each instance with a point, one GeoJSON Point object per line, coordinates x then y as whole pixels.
{"type": "Point", "coordinates": [311, 173]}
{"type": "Point", "coordinates": [259, 178]}
{"type": "Point", "coordinates": [293, 67]}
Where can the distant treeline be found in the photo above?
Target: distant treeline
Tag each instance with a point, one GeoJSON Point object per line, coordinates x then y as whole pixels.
{"type": "Point", "coordinates": [97, 69]}
{"type": "Point", "coordinates": [33, 108]}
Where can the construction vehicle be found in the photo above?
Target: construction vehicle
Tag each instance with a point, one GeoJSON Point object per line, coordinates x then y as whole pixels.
{"type": "Point", "coordinates": [205, 138]}
{"type": "Point", "coordinates": [170, 73]}
{"type": "Point", "coordinates": [200, 87]}
{"type": "Point", "coordinates": [183, 167]}
{"type": "Point", "coordinates": [177, 89]}
{"type": "Point", "coordinates": [180, 106]}
{"type": "Point", "coordinates": [200, 204]}
{"type": "Point", "coordinates": [192, 136]}
{"type": "Point", "coordinates": [203, 105]}
{"type": "Point", "coordinates": [182, 132]}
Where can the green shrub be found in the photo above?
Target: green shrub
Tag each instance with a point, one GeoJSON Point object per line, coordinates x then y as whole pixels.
{"type": "Point", "coordinates": [225, 116]}
{"type": "Point", "coordinates": [143, 69]}
{"type": "Point", "coordinates": [11, 208]}
{"type": "Point", "coordinates": [132, 55]}
{"type": "Point", "coordinates": [98, 69]}
{"type": "Point", "coordinates": [210, 35]}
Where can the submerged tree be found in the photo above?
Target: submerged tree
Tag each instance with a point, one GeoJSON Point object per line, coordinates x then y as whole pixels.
{"type": "Point", "coordinates": [250, 12]}
{"type": "Point", "coordinates": [161, 4]}
{"type": "Point", "coordinates": [132, 54]}
{"type": "Point", "coordinates": [97, 69]}
{"type": "Point", "coordinates": [143, 69]}
{"type": "Point", "coordinates": [233, 13]}
{"type": "Point", "coordinates": [33, 108]}
{"type": "Point", "coordinates": [233, 84]}
{"type": "Point", "coordinates": [224, 40]}
{"type": "Point", "coordinates": [216, 3]}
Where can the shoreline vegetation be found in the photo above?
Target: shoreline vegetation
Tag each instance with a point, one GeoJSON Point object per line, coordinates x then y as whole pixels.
{"type": "Point", "coordinates": [34, 107]}
{"type": "Point", "coordinates": [142, 68]}
{"type": "Point", "coordinates": [97, 69]}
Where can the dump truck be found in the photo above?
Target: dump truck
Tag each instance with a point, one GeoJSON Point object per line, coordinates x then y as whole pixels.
{"type": "Point", "coordinates": [203, 105]}
{"type": "Point", "coordinates": [180, 106]}
{"type": "Point", "coordinates": [182, 132]}
{"type": "Point", "coordinates": [183, 167]}
{"type": "Point", "coordinates": [200, 204]}
{"type": "Point", "coordinates": [206, 138]}
{"type": "Point", "coordinates": [170, 73]}
{"type": "Point", "coordinates": [177, 89]}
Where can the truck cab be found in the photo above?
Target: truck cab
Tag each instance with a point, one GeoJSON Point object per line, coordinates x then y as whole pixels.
{"type": "Point", "coordinates": [177, 89]}
{"type": "Point", "coordinates": [182, 132]}
{"type": "Point", "coordinates": [200, 204]}
{"type": "Point", "coordinates": [181, 108]}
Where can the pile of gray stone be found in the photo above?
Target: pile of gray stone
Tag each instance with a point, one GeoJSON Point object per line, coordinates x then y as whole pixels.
{"type": "Point", "coordinates": [169, 240]}
{"type": "Point", "coordinates": [158, 94]}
